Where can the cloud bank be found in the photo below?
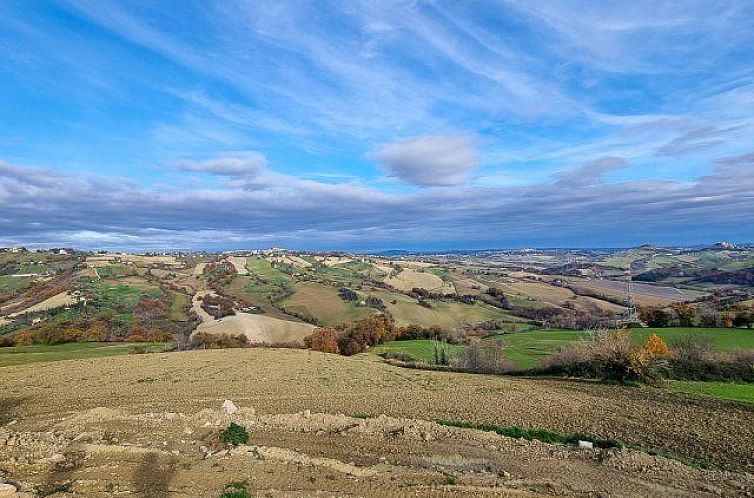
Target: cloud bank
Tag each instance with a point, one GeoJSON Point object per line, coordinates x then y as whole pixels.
{"type": "Point", "coordinates": [101, 212]}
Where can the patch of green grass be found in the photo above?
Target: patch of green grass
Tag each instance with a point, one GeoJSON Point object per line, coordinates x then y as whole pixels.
{"type": "Point", "coordinates": [236, 490]}
{"type": "Point", "coordinates": [262, 269]}
{"type": "Point", "coordinates": [419, 350]}
{"type": "Point", "coordinates": [117, 296]}
{"type": "Point", "coordinates": [443, 273]}
{"type": "Point", "coordinates": [22, 355]}
{"type": "Point", "coordinates": [722, 390]}
{"type": "Point", "coordinates": [539, 434]}
{"type": "Point", "coordinates": [115, 271]}
{"type": "Point", "coordinates": [179, 305]}
{"type": "Point", "coordinates": [721, 339]}
{"type": "Point", "coordinates": [234, 435]}
{"type": "Point", "coordinates": [343, 274]}
{"type": "Point", "coordinates": [9, 283]}
{"type": "Point", "coordinates": [323, 304]}
{"type": "Point", "coordinates": [528, 349]}
{"type": "Point", "coordinates": [364, 415]}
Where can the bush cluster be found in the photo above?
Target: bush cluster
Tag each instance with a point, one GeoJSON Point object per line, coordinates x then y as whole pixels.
{"type": "Point", "coordinates": [203, 340]}
{"type": "Point", "coordinates": [610, 355]}
{"type": "Point", "coordinates": [349, 339]}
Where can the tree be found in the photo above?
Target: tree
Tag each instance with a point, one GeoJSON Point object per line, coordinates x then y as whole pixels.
{"type": "Point", "coordinates": [347, 294]}
{"type": "Point", "coordinates": [656, 347]}
{"type": "Point", "coordinates": [324, 339]}
{"type": "Point", "coordinates": [24, 338]}
{"type": "Point", "coordinates": [658, 317]}
{"type": "Point", "coordinates": [744, 318]}
{"type": "Point", "coordinates": [96, 332]}
{"type": "Point", "coordinates": [685, 314]}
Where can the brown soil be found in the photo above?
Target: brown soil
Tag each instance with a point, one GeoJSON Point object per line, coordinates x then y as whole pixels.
{"type": "Point", "coordinates": [147, 425]}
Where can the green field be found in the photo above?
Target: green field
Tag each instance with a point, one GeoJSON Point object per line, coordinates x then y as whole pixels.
{"type": "Point", "coordinates": [722, 390]}
{"type": "Point", "coordinates": [449, 314]}
{"type": "Point", "coordinates": [179, 306]}
{"type": "Point", "coordinates": [528, 349]}
{"type": "Point", "coordinates": [351, 274]}
{"type": "Point", "coordinates": [263, 270]}
{"type": "Point", "coordinates": [119, 296]}
{"type": "Point", "coordinates": [420, 350]}
{"type": "Point", "coordinates": [9, 283]}
{"type": "Point", "coordinates": [323, 303]}
{"type": "Point", "coordinates": [71, 351]}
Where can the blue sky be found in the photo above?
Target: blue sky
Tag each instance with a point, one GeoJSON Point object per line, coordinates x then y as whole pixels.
{"type": "Point", "coordinates": [375, 124]}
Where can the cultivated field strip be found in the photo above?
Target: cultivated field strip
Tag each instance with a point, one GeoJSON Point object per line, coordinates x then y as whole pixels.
{"type": "Point", "coordinates": [285, 381]}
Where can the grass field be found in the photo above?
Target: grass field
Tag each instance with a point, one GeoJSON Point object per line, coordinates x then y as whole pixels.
{"type": "Point", "coordinates": [527, 349]}
{"type": "Point", "coordinates": [120, 296]}
{"type": "Point", "coordinates": [420, 350]}
{"type": "Point", "coordinates": [449, 314]}
{"type": "Point", "coordinates": [8, 283]}
{"type": "Point", "coordinates": [179, 306]}
{"type": "Point", "coordinates": [722, 390]}
{"type": "Point", "coordinates": [264, 270]}
{"type": "Point", "coordinates": [71, 351]}
{"type": "Point", "coordinates": [323, 303]}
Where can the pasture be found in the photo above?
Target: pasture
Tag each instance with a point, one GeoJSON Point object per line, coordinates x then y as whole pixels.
{"type": "Point", "coordinates": [323, 303]}
{"type": "Point", "coordinates": [528, 349]}
{"type": "Point", "coordinates": [406, 310]}
{"type": "Point", "coordinates": [22, 355]}
{"type": "Point", "coordinates": [721, 390]}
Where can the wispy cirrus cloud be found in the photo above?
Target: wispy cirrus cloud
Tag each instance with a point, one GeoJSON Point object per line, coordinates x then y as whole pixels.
{"type": "Point", "coordinates": [583, 105]}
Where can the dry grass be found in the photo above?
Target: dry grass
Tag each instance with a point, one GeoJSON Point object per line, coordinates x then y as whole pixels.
{"type": "Point", "coordinates": [56, 301]}
{"type": "Point", "coordinates": [323, 303]}
{"type": "Point", "coordinates": [257, 328]}
{"type": "Point", "coordinates": [239, 263]}
{"type": "Point", "coordinates": [409, 279]}
{"type": "Point", "coordinates": [448, 314]}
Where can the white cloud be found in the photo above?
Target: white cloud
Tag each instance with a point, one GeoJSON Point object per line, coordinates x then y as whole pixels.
{"type": "Point", "coordinates": [247, 165]}
{"type": "Point", "coordinates": [431, 160]}
{"type": "Point", "coordinates": [584, 211]}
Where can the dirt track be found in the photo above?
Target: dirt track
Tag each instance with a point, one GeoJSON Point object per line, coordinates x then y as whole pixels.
{"type": "Point", "coordinates": [154, 399]}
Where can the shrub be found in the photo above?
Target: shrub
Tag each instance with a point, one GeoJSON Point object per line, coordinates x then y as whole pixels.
{"type": "Point", "coordinates": [203, 340]}
{"type": "Point", "coordinates": [24, 338]}
{"type": "Point", "coordinates": [608, 355]}
{"type": "Point", "coordinates": [376, 303]}
{"type": "Point", "coordinates": [656, 347]}
{"type": "Point", "coordinates": [737, 366]}
{"type": "Point", "coordinates": [691, 347]}
{"type": "Point", "coordinates": [347, 294]}
{"type": "Point", "coordinates": [5, 341]}
{"type": "Point", "coordinates": [324, 340]}
{"type": "Point", "coordinates": [234, 435]}
{"type": "Point", "coordinates": [135, 338]}
{"type": "Point", "coordinates": [157, 335]}
{"type": "Point", "coordinates": [487, 357]}
{"type": "Point", "coordinates": [236, 490]}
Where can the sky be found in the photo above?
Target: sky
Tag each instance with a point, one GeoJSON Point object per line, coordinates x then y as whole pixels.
{"type": "Point", "coordinates": [370, 125]}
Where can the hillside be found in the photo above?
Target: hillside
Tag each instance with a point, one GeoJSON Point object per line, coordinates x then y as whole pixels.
{"type": "Point", "coordinates": [141, 413]}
